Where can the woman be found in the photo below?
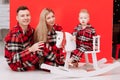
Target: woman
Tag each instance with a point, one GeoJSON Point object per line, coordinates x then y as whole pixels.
{"type": "Point", "coordinates": [45, 31]}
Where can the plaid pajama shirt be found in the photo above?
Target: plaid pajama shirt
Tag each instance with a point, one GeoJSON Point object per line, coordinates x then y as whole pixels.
{"type": "Point", "coordinates": [84, 39]}
{"type": "Point", "coordinates": [53, 55]}
{"type": "Point", "coordinates": [18, 56]}
{"type": "Point", "coordinates": [16, 49]}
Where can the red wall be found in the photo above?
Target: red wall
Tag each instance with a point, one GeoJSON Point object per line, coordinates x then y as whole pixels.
{"type": "Point", "coordinates": [66, 12]}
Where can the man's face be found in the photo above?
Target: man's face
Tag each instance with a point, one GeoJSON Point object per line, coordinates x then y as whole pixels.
{"type": "Point", "coordinates": [23, 17]}
{"type": "Point", "coordinates": [83, 18]}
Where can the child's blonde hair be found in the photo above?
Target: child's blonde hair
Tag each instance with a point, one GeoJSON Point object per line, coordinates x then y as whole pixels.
{"type": "Point", "coordinates": [84, 11]}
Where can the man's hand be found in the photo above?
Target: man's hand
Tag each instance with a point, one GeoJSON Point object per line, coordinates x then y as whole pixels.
{"type": "Point", "coordinates": [37, 47]}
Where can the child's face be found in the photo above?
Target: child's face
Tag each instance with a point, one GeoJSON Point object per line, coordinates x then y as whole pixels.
{"type": "Point", "coordinates": [83, 18]}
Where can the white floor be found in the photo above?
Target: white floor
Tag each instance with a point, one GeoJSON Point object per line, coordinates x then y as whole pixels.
{"type": "Point", "coordinates": [1, 48]}
{"type": "Point", "coordinates": [7, 74]}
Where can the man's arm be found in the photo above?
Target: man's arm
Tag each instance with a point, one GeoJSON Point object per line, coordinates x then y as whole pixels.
{"type": "Point", "coordinates": [18, 57]}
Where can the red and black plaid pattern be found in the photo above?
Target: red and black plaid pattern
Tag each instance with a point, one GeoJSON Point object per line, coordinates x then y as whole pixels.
{"type": "Point", "coordinates": [16, 49]}
{"type": "Point", "coordinates": [84, 39]}
{"type": "Point", "coordinates": [53, 55]}
{"type": "Point", "coordinates": [52, 34]}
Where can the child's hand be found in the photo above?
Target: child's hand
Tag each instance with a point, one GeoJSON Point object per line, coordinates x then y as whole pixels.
{"type": "Point", "coordinates": [96, 48]}
{"type": "Point", "coordinates": [73, 38]}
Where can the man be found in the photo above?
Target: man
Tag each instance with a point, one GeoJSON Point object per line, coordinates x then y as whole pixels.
{"type": "Point", "coordinates": [20, 52]}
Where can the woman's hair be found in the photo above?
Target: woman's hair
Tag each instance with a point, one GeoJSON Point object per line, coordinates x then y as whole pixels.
{"type": "Point", "coordinates": [41, 31]}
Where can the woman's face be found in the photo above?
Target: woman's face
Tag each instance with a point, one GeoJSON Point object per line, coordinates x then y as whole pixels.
{"type": "Point", "coordinates": [50, 19]}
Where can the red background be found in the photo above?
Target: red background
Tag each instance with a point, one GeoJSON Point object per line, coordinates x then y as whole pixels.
{"type": "Point", "coordinates": [66, 12]}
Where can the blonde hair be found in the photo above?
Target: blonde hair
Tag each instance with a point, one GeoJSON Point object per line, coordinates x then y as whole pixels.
{"type": "Point", "coordinates": [84, 11]}
{"type": "Point", "coordinates": [41, 31]}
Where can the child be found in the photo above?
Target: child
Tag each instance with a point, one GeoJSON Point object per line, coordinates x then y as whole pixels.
{"type": "Point", "coordinates": [83, 34]}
